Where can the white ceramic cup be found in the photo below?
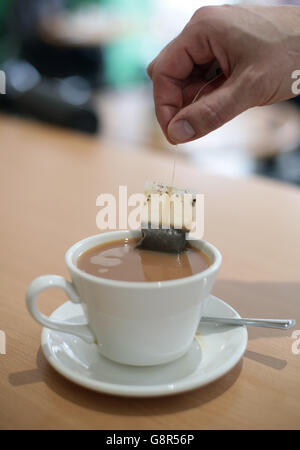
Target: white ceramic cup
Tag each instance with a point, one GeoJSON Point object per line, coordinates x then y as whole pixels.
{"type": "Point", "coordinates": [136, 323]}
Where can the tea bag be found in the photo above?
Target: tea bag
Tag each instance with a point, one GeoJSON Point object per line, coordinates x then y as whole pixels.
{"type": "Point", "coordinates": [166, 222]}
{"type": "Point", "coordinates": [167, 216]}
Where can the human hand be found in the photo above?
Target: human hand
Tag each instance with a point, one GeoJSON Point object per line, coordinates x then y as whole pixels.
{"type": "Point", "coordinates": [257, 48]}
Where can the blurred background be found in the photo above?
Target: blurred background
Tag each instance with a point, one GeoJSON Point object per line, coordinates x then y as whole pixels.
{"type": "Point", "coordinates": [81, 64]}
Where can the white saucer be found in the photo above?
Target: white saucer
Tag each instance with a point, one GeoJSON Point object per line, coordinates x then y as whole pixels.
{"type": "Point", "coordinates": [215, 350]}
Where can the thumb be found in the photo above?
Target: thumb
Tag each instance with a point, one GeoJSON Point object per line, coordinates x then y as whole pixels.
{"type": "Point", "coordinates": [210, 112]}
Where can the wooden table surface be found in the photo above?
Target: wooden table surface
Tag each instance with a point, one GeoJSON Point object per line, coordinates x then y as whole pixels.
{"type": "Point", "coordinates": [50, 179]}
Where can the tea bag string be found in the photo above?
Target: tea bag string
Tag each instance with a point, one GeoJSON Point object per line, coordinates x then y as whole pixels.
{"type": "Point", "coordinates": [205, 85]}
{"type": "Point", "coordinates": [193, 101]}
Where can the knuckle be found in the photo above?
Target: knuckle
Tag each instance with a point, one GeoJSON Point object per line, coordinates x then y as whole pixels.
{"type": "Point", "coordinates": [202, 14]}
{"type": "Point", "coordinates": [212, 11]}
{"type": "Point", "coordinates": [149, 70]}
{"type": "Point", "coordinates": [213, 18]}
{"type": "Point", "coordinates": [204, 11]}
{"type": "Point", "coordinates": [155, 72]}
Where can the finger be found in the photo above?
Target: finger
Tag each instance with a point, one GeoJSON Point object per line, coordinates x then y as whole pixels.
{"type": "Point", "coordinates": [209, 113]}
{"type": "Point", "coordinates": [168, 73]}
{"type": "Point", "coordinates": [174, 65]}
{"type": "Point", "coordinates": [168, 100]}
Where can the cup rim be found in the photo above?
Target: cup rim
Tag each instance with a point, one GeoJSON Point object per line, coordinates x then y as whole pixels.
{"type": "Point", "coordinates": [115, 235]}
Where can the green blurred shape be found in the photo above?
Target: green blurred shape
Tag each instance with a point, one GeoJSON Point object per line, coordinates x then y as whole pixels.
{"type": "Point", "coordinates": [125, 58]}
{"type": "Point", "coordinates": [72, 4]}
{"type": "Point", "coordinates": [4, 41]}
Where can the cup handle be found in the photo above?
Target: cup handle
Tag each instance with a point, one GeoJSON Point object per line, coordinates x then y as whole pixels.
{"type": "Point", "coordinates": [54, 281]}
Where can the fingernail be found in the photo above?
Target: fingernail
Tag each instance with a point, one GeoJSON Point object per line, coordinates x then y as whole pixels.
{"type": "Point", "coordinates": [181, 131]}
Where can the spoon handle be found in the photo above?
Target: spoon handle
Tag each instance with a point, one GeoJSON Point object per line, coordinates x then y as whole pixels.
{"type": "Point", "coordinates": [268, 323]}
